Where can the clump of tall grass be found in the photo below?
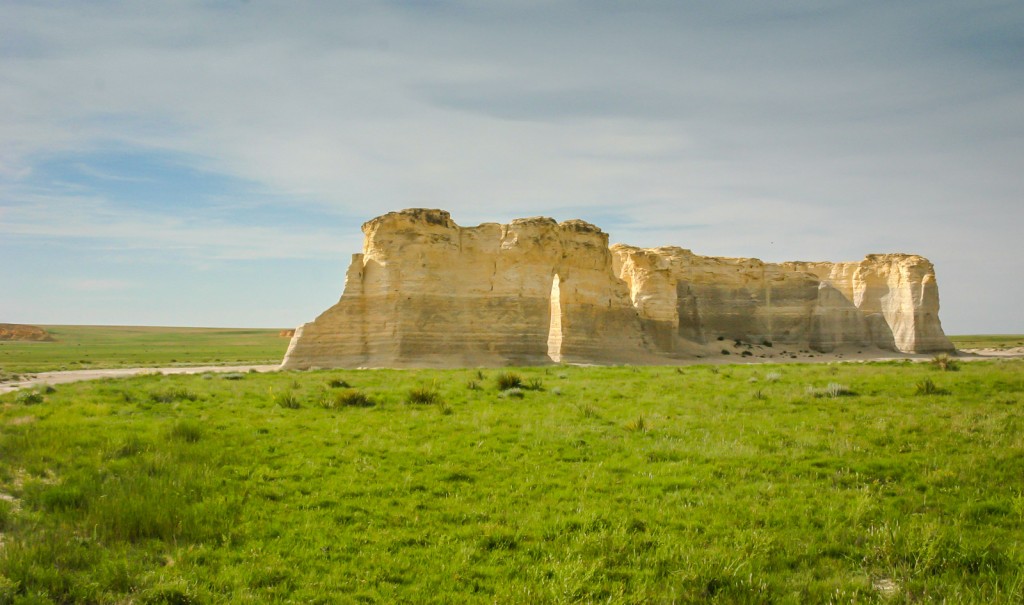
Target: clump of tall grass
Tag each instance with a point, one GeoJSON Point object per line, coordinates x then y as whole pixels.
{"type": "Point", "coordinates": [288, 400]}
{"type": "Point", "coordinates": [831, 391]}
{"type": "Point", "coordinates": [349, 398]}
{"type": "Point", "coordinates": [534, 384]}
{"type": "Point", "coordinates": [338, 383]}
{"type": "Point", "coordinates": [927, 387]}
{"type": "Point", "coordinates": [945, 363]}
{"type": "Point", "coordinates": [423, 396]}
{"type": "Point", "coordinates": [509, 380]}
{"type": "Point", "coordinates": [638, 425]}
{"type": "Point", "coordinates": [473, 385]}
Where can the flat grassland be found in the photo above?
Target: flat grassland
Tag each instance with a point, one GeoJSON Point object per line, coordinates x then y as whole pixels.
{"type": "Point", "coordinates": [867, 482]}
{"type": "Point", "coordinates": [94, 347]}
{"type": "Point", "coordinates": [988, 341]}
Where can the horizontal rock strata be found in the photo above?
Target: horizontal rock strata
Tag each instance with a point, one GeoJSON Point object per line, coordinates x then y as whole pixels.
{"type": "Point", "coordinates": [426, 292]}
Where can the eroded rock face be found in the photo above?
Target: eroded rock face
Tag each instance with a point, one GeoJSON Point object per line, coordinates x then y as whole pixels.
{"type": "Point", "coordinates": [426, 292]}
{"type": "Point", "coordinates": [429, 293]}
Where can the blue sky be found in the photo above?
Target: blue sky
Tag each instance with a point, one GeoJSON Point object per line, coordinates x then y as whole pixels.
{"type": "Point", "coordinates": [210, 163]}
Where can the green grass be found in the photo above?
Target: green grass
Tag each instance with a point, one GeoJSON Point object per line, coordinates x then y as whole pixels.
{"type": "Point", "coordinates": [988, 341]}
{"type": "Point", "coordinates": [611, 485]}
{"type": "Point", "coordinates": [87, 347]}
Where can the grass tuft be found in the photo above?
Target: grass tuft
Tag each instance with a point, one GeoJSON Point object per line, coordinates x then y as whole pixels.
{"type": "Point", "coordinates": [338, 383]}
{"type": "Point", "coordinates": [928, 387]}
{"type": "Point", "coordinates": [946, 363]}
{"type": "Point", "coordinates": [509, 380]}
{"type": "Point", "coordinates": [349, 398]}
{"type": "Point", "coordinates": [638, 425]}
{"type": "Point", "coordinates": [423, 396]}
{"type": "Point", "coordinates": [287, 400]}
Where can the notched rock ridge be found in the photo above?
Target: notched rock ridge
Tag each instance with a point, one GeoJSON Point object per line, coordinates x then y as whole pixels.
{"type": "Point", "coordinates": [426, 292]}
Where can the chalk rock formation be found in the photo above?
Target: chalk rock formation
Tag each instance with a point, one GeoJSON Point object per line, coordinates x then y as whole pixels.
{"type": "Point", "coordinates": [888, 301]}
{"type": "Point", "coordinates": [429, 293]}
{"type": "Point", "coordinates": [426, 292]}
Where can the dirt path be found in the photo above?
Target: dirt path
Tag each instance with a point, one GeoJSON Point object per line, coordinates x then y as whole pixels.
{"type": "Point", "coordinates": [53, 378]}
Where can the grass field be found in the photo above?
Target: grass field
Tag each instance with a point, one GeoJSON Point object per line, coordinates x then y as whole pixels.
{"type": "Point", "coordinates": [988, 341]}
{"type": "Point", "coordinates": [87, 347]}
{"type": "Point", "coordinates": [877, 482]}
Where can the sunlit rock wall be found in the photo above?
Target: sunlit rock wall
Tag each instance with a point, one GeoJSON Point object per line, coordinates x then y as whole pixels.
{"type": "Point", "coordinates": [426, 292]}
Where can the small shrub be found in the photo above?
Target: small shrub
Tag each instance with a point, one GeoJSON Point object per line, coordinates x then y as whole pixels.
{"type": "Point", "coordinates": [189, 431]}
{"type": "Point", "coordinates": [29, 398]}
{"type": "Point", "coordinates": [349, 398]}
{"type": "Point", "coordinates": [726, 352]}
{"type": "Point", "coordinates": [288, 400]}
{"type": "Point", "coordinates": [946, 363]}
{"type": "Point", "coordinates": [423, 396]}
{"type": "Point", "coordinates": [927, 387]}
{"type": "Point", "coordinates": [746, 354]}
{"type": "Point", "coordinates": [509, 380]}
{"type": "Point", "coordinates": [514, 393]}
{"type": "Point", "coordinates": [338, 383]}
{"type": "Point", "coordinates": [638, 425]}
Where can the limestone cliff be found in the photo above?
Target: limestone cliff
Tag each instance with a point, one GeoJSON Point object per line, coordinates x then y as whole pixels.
{"type": "Point", "coordinates": [888, 301]}
{"type": "Point", "coordinates": [426, 292]}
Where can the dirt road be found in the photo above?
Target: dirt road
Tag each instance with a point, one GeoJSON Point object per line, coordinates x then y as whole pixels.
{"type": "Point", "coordinates": [53, 378]}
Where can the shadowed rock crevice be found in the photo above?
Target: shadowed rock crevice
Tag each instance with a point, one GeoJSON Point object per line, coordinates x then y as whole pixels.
{"type": "Point", "coordinates": [426, 292]}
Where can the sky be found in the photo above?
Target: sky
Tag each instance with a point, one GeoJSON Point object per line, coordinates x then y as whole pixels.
{"type": "Point", "coordinates": [209, 163]}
